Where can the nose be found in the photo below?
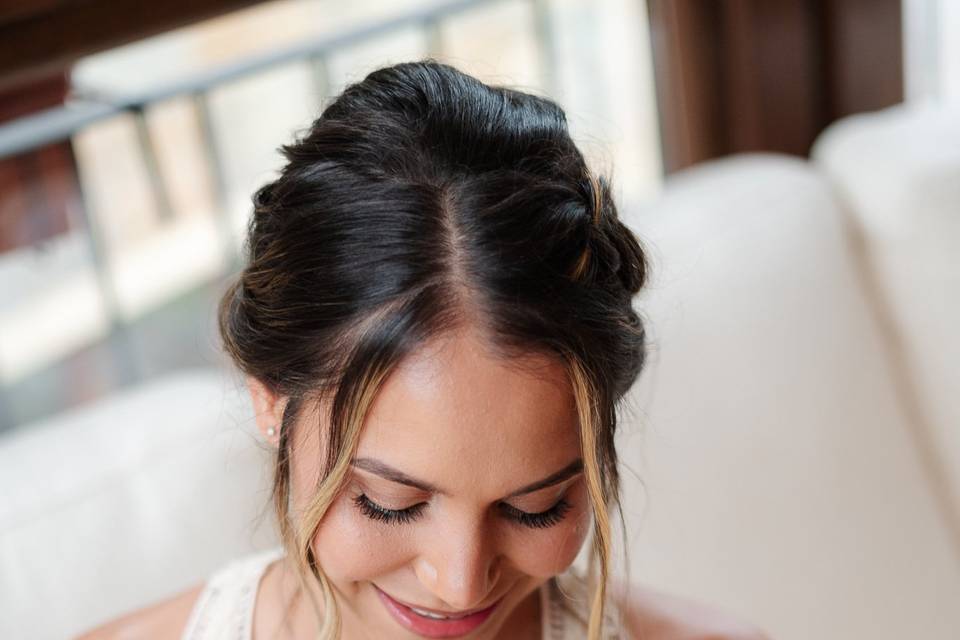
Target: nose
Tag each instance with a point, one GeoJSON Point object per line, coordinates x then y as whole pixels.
{"type": "Point", "coordinates": [461, 568]}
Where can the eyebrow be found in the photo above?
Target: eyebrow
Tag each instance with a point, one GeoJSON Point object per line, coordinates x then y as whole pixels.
{"type": "Point", "coordinates": [385, 471]}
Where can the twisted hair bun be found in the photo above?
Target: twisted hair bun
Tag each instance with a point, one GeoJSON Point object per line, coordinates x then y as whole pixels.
{"type": "Point", "coordinates": [613, 251]}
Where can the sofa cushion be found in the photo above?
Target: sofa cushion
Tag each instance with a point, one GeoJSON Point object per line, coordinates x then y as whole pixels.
{"type": "Point", "coordinates": [897, 172]}
{"type": "Point", "coordinates": [114, 505]}
{"type": "Point", "coordinates": [775, 471]}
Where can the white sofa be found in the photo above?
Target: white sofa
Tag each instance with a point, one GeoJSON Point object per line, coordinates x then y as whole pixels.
{"type": "Point", "coordinates": [795, 436]}
{"type": "Point", "coordinates": [119, 503]}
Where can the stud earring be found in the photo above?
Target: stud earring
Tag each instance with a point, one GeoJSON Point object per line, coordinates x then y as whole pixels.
{"type": "Point", "coordinates": [271, 431]}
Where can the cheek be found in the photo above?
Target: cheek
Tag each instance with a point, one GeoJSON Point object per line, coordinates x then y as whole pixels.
{"type": "Point", "coordinates": [351, 548]}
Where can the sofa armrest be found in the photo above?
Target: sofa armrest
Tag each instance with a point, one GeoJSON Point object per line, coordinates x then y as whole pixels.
{"type": "Point", "coordinates": [114, 505]}
{"type": "Point", "coordinates": [897, 174]}
{"type": "Point", "coordinates": [777, 476]}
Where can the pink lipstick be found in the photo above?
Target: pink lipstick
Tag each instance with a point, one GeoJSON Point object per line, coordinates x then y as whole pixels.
{"type": "Point", "coordinates": [434, 624]}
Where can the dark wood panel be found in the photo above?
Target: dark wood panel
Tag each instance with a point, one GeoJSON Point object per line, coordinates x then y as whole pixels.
{"type": "Point", "coordinates": [52, 35]}
{"type": "Point", "coordinates": [687, 78]}
{"type": "Point", "coordinates": [37, 188]}
{"type": "Point", "coordinates": [864, 44]}
{"type": "Point", "coordinates": [11, 10]}
{"type": "Point", "coordinates": [37, 191]}
{"type": "Point", "coordinates": [768, 75]}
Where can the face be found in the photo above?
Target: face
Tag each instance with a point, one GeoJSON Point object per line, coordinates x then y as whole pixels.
{"type": "Point", "coordinates": [465, 495]}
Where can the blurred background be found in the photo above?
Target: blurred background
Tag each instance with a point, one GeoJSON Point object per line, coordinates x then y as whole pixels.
{"type": "Point", "coordinates": [794, 166]}
{"type": "Point", "coordinates": [128, 168]}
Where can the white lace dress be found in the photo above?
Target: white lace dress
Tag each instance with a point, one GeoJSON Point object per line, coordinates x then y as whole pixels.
{"type": "Point", "coordinates": [224, 610]}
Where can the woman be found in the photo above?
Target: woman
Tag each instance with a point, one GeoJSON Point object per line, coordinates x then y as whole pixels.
{"type": "Point", "coordinates": [436, 327]}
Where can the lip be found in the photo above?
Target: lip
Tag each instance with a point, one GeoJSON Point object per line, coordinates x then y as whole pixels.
{"type": "Point", "coordinates": [430, 628]}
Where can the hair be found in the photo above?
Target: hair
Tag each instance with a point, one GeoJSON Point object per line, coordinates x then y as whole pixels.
{"type": "Point", "coordinates": [423, 200]}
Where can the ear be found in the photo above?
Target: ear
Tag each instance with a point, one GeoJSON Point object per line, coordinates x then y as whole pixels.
{"type": "Point", "coordinates": [267, 408]}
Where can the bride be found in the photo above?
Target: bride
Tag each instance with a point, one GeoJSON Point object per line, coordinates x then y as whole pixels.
{"type": "Point", "coordinates": [435, 323]}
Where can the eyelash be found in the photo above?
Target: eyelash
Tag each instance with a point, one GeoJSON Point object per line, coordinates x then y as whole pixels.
{"type": "Point", "coordinates": [391, 516]}
{"type": "Point", "coordinates": [541, 520]}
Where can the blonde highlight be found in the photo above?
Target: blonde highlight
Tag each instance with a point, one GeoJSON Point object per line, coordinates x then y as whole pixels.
{"type": "Point", "coordinates": [599, 491]}
{"type": "Point", "coordinates": [596, 211]}
{"type": "Point", "coordinates": [299, 542]}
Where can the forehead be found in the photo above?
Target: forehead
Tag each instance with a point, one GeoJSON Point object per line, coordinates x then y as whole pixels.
{"type": "Point", "coordinates": [453, 412]}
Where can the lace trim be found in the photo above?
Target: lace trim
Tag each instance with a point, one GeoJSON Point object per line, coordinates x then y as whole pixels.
{"type": "Point", "coordinates": [227, 601]}
{"type": "Point", "coordinates": [569, 605]}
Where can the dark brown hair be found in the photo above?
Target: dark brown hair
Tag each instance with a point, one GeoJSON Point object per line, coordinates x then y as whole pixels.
{"type": "Point", "coordinates": [422, 199]}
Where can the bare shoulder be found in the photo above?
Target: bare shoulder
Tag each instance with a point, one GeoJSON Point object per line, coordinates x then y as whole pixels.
{"type": "Point", "coordinates": [654, 615]}
{"type": "Point", "coordinates": [160, 621]}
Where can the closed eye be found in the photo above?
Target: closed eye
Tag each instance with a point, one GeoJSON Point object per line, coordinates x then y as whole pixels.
{"type": "Point", "coordinates": [540, 520]}
{"type": "Point", "coordinates": [374, 511]}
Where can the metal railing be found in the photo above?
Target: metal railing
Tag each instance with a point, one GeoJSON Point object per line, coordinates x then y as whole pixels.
{"type": "Point", "coordinates": [87, 106]}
